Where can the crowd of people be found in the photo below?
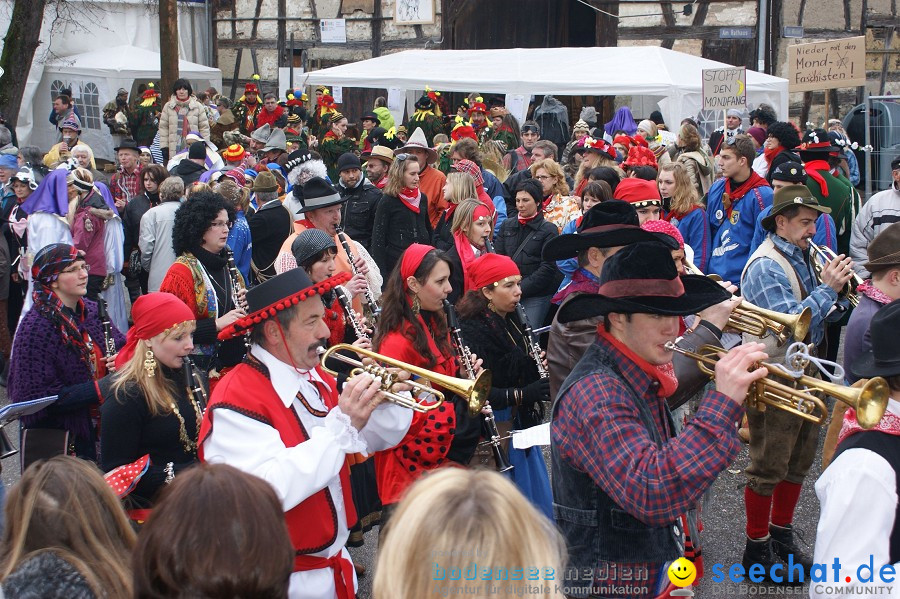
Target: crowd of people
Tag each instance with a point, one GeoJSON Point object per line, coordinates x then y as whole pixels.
{"type": "Point", "coordinates": [178, 303]}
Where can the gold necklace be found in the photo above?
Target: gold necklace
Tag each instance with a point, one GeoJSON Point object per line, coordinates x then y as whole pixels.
{"type": "Point", "coordinates": [190, 445]}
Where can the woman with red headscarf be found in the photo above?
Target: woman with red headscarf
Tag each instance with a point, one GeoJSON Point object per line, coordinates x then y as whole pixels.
{"type": "Point", "coordinates": [472, 223]}
{"type": "Point", "coordinates": [148, 408]}
{"type": "Point", "coordinates": [412, 328]}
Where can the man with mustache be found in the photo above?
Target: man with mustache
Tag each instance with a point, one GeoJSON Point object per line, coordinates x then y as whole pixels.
{"type": "Point", "coordinates": [280, 416]}
{"type": "Point", "coordinates": [779, 276]}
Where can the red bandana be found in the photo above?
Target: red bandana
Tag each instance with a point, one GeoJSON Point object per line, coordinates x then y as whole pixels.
{"type": "Point", "coordinates": [525, 221]}
{"type": "Point", "coordinates": [730, 197]}
{"type": "Point", "coordinates": [812, 170]}
{"type": "Point", "coordinates": [664, 373]}
{"type": "Point", "coordinates": [411, 198]}
{"type": "Point", "coordinates": [771, 153]}
{"type": "Point", "coordinates": [889, 423]}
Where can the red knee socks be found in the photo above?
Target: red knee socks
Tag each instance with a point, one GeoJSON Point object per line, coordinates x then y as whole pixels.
{"type": "Point", "coordinates": [758, 507]}
{"type": "Point", "coordinates": [784, 501]}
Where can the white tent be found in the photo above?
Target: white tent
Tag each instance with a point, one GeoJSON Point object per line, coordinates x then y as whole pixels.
{"type": "Point", "coordinates": [94, 77]}
{"type": "Point", "coordinates": [673, 79]}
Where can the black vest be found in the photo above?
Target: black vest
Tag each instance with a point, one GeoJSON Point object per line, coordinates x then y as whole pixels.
{"type": "Point", "coordinates": [595, 527]}
{"type": "Point", "coordinates": [888, 447]}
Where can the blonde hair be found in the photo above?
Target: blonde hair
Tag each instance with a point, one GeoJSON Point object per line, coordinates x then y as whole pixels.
{"type": "Point", "coordinates": [395, 175]}
{"type": "Point", "coordinates": [554, 170]}
{"type": "Point", "coordinates": [195, 187]}
{"type": "Point", "coordinates": [156, 390]}
{"type": "Point", "coordinates": [237, 196]}
{"type": "Point", "coordinates": [462, 216]}
{"type": "Point", "coordinates": [63, 506]}
{"type": "Point", "coordinates": [452, 520]}
{"type": "Point", "coordinates": [685, 196]}
{"type": "Point", "coordinates": [462, 186]}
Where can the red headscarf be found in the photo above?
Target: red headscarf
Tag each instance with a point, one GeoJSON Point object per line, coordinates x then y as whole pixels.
{"type": "Point", "coordinates": [464, 245]}
{"type": "Point", "coordinates": [412, 259]}
{"type": "Point", "coordinates": [153, 313]}
{"type": "Point", "coordinates": [490, 268]}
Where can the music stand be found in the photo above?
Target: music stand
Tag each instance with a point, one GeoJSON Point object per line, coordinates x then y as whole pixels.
{"type": "Point", "coordinates": [14, 411]}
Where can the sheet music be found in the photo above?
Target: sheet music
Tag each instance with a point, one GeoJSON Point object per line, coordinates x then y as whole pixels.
{"type": "Point", "coordinates": [530, 437]}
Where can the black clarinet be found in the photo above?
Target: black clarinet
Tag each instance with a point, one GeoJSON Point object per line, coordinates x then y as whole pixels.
{"type": "Point", "coordinates": [468, 366]}
{"type": "Point", "coordinates": [349, 313]}
{"type": "Point", "coordinates": [194, 384]}
{"type": "Point", "coordinates": [488, 245]}
{"type": "Point", "coordinates": [236, 287]}
{"type": "Point", "coordinates": [109, 343]}
{"type": "Point", "coordinates": [374, 309]}
{"type": "Point", "coordinates": [534, 348]}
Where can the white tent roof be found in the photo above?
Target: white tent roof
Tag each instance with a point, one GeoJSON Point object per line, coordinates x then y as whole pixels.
{"type": "Point", "coordinates": [638, 71]}
{"type": "Point", "coordinates": [126, 62]}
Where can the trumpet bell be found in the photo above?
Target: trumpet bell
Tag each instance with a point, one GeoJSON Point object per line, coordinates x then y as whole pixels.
{"type": "Point", "coordinates": [869, 401]}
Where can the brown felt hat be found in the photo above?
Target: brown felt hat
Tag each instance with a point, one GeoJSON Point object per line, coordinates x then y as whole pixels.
{"type": "Point", "coordinates": [792, 195]}
{"type": "Point", "coordinates": [884, 250]}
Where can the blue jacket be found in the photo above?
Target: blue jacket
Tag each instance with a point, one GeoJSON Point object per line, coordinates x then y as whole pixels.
{"type": "Point", "coordinates": [568, 266]}
{"type": "Point", "coordinates": [826, 234]}
{"type": "Point", "coordinates": [239, 242]}
{"type": "Point", "coordinates": [694, 227]}
{"type": "Point", "coordinates": [731, 238]}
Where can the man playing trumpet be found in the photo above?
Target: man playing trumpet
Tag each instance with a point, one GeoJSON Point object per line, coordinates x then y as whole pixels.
{"type": "Point", "coordinates": [280, 417]}
{"type": "Point", "coordinates": [780, 276]}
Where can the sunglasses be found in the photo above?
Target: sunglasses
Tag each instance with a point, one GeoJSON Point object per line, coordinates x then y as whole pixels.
{"type": "Point", "coordinates": [402, 157]}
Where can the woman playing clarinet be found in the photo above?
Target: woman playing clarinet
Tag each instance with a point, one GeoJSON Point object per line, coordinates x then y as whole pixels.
{"type": "Point", "coordinates": [148, 407]}
{"type": "Point", "coordinates": [471, 224]}
{"type": "Point", "coordinates": [413, 329]}
{"type": "Point", "coordinates": [490, 328]}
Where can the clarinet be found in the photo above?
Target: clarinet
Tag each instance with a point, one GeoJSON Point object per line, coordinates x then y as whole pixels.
{"type": "Point", "coordinates": [349, 313]}
{"type": "Point", "coordinates": [488, 245]}
{"type": "Point", "coordinates": [235, 279]}
{"type": "Point", "coordinates": [468, 366]}
{"type": "Point", "coordinates": [109, 343]}
{"type": "Point", "coordinates": [194, 384]}
{"type": "Point", "coordinates": [374, 310]}
{"type": "Point", "coordinates": [534, 348]}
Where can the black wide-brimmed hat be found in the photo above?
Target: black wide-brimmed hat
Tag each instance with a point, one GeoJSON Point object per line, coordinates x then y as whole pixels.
{"type": "Point", "coordinates": [817, 140]}
{"type": "Point", "coordinates": [276, 294]}
{"type": "Point", "coordinates": [642, 279]}
{"type": "Point", "coordinates": [608, 224]}
{"type": "Point", "coordinates": [318, 193]}
{"type": "Point", "coordinates": [884, 357]}
{"type": "Point", "coordinates": [128, 144]}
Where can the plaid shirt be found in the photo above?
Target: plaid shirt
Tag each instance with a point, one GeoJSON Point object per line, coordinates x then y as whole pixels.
{"type": "Point", "coordinates": [124, 186]}
{"type": "Point", "coordinates": [766, 285]}
{"type": "Point", "coordinates": [598, 430]}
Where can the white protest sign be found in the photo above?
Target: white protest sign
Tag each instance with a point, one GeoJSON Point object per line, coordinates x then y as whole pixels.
{"type": "Point", "coordinates": [827, 65]}
{"type": "Point", "coordinates": [724, 88]}
{"type": "Point", "coordinates": [337, 92]}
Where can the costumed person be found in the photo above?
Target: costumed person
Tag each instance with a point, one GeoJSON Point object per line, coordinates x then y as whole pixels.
{"type": "Point", "coordinates": [412, 328]}
{"type": "Point", "coordinates": [59, 349]}
{"type": "Point", "coordinates": [471, 225]}
{"type": "Point", "coordinates": [595, 153]}
{"type": "Point", "coordinates": [615, 458]}
{"type": "Point", "coordinates": [272, 114]}
{"type": "Point", "coordinates": [144, 119]}
{"type": "Point", "coordinates": [335, 144]}
{"type": "Point", "coordinates": [595, 192]}
{"type": "Point", "coordinates": [865, 465]}
{"type": "Point", "coordinates": [280, 417]}
{"type": "Point", "coordinates": [733, 205]}
{"type": "Point", "coordinates": [70, 129]}
{"type": "Point", "coordinates": [506, 129]}
{"type": "Point", "coordinates": [427, 117]}
{"type": "Point", "coordinates": [478, 118]}
{"type": "Point", "coordinates": [201, 279]}
{"type": "Point", "coordinates": [88, 215]}
{"type": "Point", "coordinates": [684, 210]}
{"type": "Point", "coordinates": [182, 114]}
{"type": "Point", "coordinates": [401, 218]}
{"type": "Point", "coordinates": [522, 239]}
{"type": "Point", "coordinates": [782, 139]}
{"type": "Point", "coordinates": [247, 107]}
{"type": "Point", "coordinates": [369, 121]}
{"type": "Point", "coordinates": [490, 329]}
{"type": "Point", "coordinates": [148, 408]}
{"type": "Point", "coordinates": [579, 131]}
{"type": "Point", "coordinates": [649, 131]}
{"type": "Point", "coordinates": [15, 230]}
{"type": "Point", "coordinates": [557, 207]}
{"type": "Point", "coordinates": [779, 276]}
{"type": "Point", "coordinates": [325, 109]}
{"type": "Point", "coordinates": [239, 238]}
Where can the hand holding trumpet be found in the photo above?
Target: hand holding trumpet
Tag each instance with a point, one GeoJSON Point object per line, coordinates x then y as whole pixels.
{"type": "Point", "coordinates": [740, 368]}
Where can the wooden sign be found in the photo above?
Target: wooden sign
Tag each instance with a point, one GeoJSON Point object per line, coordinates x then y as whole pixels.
{"type": "Point", "coordinates": [827, 65]}
{"type": "Point", "coordinates": [724, 88]}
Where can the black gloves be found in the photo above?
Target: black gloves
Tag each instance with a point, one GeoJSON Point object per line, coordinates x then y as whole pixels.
{"type": "Point", "coordinates": [536, 392]}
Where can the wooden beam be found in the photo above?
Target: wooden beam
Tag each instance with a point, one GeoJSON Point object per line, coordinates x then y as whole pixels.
{"type": "Point", "coordinates": [669, 18]}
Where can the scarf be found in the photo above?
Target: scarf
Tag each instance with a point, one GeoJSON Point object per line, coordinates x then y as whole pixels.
{"type": "Point", "coordinates": [382, 183]}
{"type": "Point", "coordinates": [873, 293]}
{"type": "Point", "coordinates": [771, 153]}
{"type": "Point", "coordinates": [525, 221]}
{"type": "Point", "coordinates": [411, 198]}
{"type": "Point", "coordinates": [466, 256]}
{"type": "Point", "coordinates": [889, 424]}
{"type": "Point", "coordinates": [547, 201]}
{"type": "Point", "coordinates": [48, 265]}
{"type": "Point", "coordinates": [729, 197]}
{"type": "Point", "coordinates": [664, 373]}
{"type": "Point", "coordinates": [583, 281]}
{"type": "Point", "coordinates": [812, 170]}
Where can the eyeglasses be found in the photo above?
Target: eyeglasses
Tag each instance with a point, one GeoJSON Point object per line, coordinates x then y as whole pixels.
{"type": "Point", "coordinates": [78, 267]}
{"type": "Point", "coordinates": [543, 177]}
{"type": "Point", "coordinates": [220, 225]}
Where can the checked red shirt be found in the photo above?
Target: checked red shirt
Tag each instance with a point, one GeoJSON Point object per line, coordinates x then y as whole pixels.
{"type": "Point", "coordinates": [598, 430]}
{"type": "Point", "coordinates": [124, 186]}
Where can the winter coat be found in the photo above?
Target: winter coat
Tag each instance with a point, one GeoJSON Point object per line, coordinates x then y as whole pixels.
{"type": "Point", "coordinates": [358, 212]}
{"type": "Point", "coordinates": [699, 168]}
{"type": "Point", "coordinates": [881, 211]}
{"type": "Point", "coordinates": [49, 576]}
{"type": "Point", "coordinates": [539, 277]}
{"type": "Point", "coordinates": [189, 171]}
{"type": "Point", "coordinates": [396, 228]}
{"type": "Point", "coordinates": [169, 135]}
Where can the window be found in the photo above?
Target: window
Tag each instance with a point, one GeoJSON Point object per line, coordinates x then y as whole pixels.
{"type": "Point", "coordinates": [89, 105]}
{"type": "Point", "coordinates": [55, 86]}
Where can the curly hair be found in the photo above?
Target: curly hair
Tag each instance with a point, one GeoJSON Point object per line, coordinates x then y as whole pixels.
{"type": "Point", "coordinates": [785, 133]}
{"type": "Point", "coordinates": [689, 138]}
{"type": "Point", "coordinates": [195, 217]}
{"type": "Point", "coordinates": [764, 115]}
{"type": "Point", "coordinates": [554, 170]}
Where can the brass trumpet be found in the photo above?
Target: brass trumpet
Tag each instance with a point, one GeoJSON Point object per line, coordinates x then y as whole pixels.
{"type": "Point", "coordinates": [759, 322]}
{"type": "Point", "coordinates": [475, 391]}
{"type": "Point", "coordinates": [869, 401]}
{"type": "Point", "coordinates": [822, 255]}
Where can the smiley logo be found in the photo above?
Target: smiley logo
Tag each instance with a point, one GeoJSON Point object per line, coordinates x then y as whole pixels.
{"type": "Point", "coordinates": [682, 572]}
